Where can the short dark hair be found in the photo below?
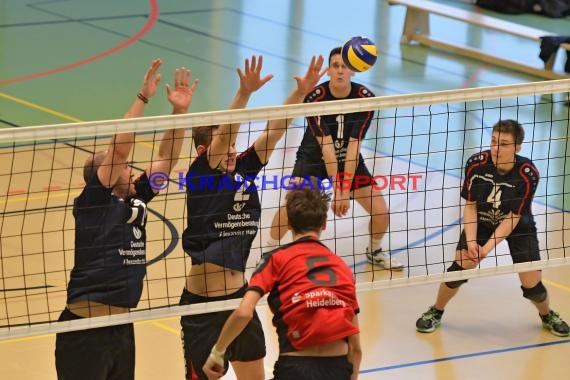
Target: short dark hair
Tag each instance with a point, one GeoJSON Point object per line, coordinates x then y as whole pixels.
{"type": "Point", "coordinates": [334, 51]}
{"type": "Point", "coordinates": [92, 164]}
{"type": "Point", "coordinates": [307, 207]}
{"type": "Point", "coordinates": [511, 127]}
{"type": "Point", "coordinates": [203, 135]}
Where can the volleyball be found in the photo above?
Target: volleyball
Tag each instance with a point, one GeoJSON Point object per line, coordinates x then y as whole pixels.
{"type": "Point", "coordinates": [359, 53]}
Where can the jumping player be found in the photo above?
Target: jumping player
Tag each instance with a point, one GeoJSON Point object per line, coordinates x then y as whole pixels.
{"type": "Point", "coordinates": [110, 217]}
{"type": "Point", "coordinates": [223, 218]}
{"type": "Point", "coordinates": [312, 296]}
{"type": "Point", "coordinates": [331, 149]}
{"type": "Point", "coordinates": [499, 187]}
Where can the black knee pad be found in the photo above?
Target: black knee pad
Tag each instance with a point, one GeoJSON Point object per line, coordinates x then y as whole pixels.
{"type": "Point", "coordinates": [536, 294]}
{"type": "Point", "coordinates": [455, 284]}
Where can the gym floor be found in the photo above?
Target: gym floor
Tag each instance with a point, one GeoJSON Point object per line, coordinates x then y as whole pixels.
{"type": "Point", "coordinates": [77, 60]}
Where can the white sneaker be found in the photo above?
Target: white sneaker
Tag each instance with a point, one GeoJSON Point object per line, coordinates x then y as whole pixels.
{"type": "Point", "coordinates": [384, 259]}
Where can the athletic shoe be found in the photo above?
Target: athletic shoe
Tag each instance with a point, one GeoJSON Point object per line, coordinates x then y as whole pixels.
{"type": "Point", "coordinates": [384, 259]}
{"type": "Point", "coordinates": [430, 320]}
{"type": "Point", "coordinates": [555, 324]}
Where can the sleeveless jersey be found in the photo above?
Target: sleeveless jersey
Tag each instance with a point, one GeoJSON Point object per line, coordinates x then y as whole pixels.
{"type": "Point", "coordinates": [223, 211]}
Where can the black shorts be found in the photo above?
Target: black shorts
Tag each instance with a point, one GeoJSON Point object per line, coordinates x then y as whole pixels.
{"type": "Point", "coordinates": [523, 247]}
{"type": "Point", "coordinates": [312, 368]}
{"type": "Point", "coordinates": [95, 354]}
{"type": "Point", "coordinates": [305, 168]}
{"type": "Point", "coordinates": [201, 331]}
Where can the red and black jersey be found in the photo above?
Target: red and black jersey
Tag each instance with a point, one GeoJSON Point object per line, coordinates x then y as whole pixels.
{"type": "Point", "coordinates": [498, 194]}
{"type": "Point", "coordinates": [339, 126]}
{"type": "Point", "coordinates": [311, 294]}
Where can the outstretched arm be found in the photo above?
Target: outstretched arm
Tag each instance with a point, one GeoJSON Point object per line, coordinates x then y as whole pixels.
{"type": "Point", "coordinates": [180, 97]}
{"type": "Point", "coordinates": [275, 129]}
{"type": "Point", "coordinates": [121, 144]}
{"type": "Point", "coordinates": [238, 320]}
{"type": "Point", "coordinates": [225, 135]}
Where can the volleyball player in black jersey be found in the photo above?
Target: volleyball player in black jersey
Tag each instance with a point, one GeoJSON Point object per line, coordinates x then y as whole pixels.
{"type": "Point", "coordinates": [498, 189]}
{"type": "Point", "coordinates": [110, 239]}
{"type": "Point", "coordinates": [223, 218]}
{"type": "Point", "coordinates": [330, 148]}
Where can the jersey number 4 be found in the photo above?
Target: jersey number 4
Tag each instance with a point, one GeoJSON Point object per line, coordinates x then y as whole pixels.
{"type": "Point", "coordinates": [495, 196]}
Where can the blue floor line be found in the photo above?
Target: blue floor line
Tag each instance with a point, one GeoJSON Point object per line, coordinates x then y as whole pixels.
{"type": "Point", "coordinates": [465, 356]}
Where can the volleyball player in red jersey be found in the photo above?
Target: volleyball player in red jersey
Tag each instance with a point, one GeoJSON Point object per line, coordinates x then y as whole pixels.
{"type": "Point", "coordinates": [312, 296]}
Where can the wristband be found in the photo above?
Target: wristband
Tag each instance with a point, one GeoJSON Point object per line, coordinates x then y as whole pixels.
{"type": "Point", "coordinates": [143, 98]}
{"type": "Point", "coordinates": [217, 356]}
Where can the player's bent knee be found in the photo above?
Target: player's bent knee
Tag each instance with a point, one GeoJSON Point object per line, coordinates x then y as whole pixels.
{"type": "Point", "coordinates": [537, 294]}
{"type": "Point", "coordinates": [455, 284]}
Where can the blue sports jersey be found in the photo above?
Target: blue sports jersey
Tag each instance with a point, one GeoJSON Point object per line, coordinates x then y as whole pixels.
{"type": "Point", "coordinates": [223, 211]}
{"type": "Point", "coordinates": [110, 251]}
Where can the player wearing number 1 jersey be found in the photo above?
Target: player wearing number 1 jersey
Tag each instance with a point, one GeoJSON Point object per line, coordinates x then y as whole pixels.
{"type": "Point", "coordinates": [313, 299]}
{"type": "Point", "coordinates": [331, 149]}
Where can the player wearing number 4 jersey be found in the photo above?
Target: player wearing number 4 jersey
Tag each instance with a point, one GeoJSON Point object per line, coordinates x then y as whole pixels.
{"type": "Point", "coordinates": [313, 299]}
{"type": "Point", "coordinates": [331, 148]}
{"type": "Point", "coordinates": [498, 190]}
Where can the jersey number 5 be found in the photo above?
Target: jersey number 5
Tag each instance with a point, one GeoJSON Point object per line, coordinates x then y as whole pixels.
{"type": "Point", "coordinates": [320, 275]}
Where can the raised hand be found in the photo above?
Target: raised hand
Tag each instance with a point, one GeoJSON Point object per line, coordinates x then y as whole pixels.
{"type": "Point", "coordinates": [314, 73]}
{"type": "Point", "coordinates": [151, 79]}
{"type": "Point", "coordinates": [250, 79]}
{"type": "Point", "coordinates": [181, 95]}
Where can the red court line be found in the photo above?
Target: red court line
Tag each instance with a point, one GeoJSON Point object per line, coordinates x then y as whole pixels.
{"type": "Point", "coordinates": [148, 26]}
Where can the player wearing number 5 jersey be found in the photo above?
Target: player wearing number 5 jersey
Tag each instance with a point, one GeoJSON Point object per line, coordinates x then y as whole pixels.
{"type": "Point", "coordinates": [313, 299]}
{"type": "Point", "coordinates": [331, 149]}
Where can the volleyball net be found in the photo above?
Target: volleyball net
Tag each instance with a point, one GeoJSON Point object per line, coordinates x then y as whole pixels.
{"type": "Point", "coordinates": [416, 148]}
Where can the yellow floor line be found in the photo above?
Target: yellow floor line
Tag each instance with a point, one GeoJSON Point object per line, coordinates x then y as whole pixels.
{"type": "Point", "coordinates": [27, 338]}
{"type": "Point", "coordinates": [556, 285]}
{"type": "Point", "coordinates": [51, 195]}
{"type": "Point", "coordinates": [164, 327]}
{"type": "Point", "coordinates": [39, 108]}
{"type": "Point", "coordinates": [61, 115]}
